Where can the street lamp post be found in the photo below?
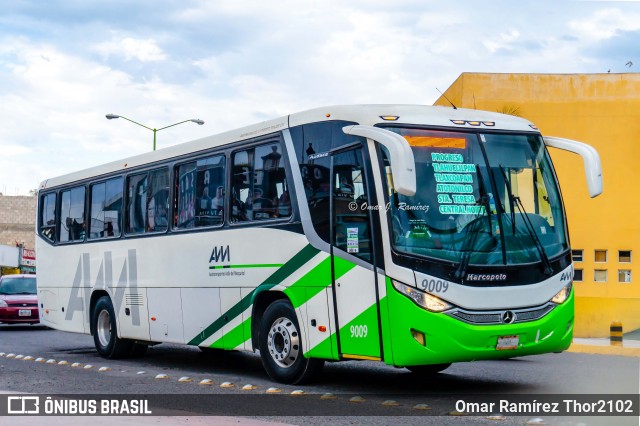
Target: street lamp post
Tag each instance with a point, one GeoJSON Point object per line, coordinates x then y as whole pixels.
{"type": "Point", "coordinates": [195, 120]}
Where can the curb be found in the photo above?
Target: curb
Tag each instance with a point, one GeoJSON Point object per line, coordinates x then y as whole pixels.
{"type": "Point", "coordinates": [604, 350]}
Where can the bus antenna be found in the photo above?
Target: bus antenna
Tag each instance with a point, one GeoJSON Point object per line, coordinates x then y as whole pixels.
{"type": "Point", "coordinates": [443, 95]}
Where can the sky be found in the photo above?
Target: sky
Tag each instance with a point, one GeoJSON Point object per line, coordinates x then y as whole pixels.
{"type": "Point", "coordinates": [64, 64]}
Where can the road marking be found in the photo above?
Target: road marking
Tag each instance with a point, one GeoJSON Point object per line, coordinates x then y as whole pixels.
{"type": "Point", "coordinates": [421, 407]}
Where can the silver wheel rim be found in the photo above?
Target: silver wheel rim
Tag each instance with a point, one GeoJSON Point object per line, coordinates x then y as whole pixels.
{"type": "Point", "coordinates": [283, 342]}
{"type": "Point", "coordinates": [103, 327]}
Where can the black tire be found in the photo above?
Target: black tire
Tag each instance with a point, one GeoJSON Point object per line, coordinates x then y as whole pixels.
{"type": "Point", "coordinates": [281, 347]}
{"type": "Point", "coordinates": [428, 370]}
{"type": "Point", "coordinates": [105, 331]}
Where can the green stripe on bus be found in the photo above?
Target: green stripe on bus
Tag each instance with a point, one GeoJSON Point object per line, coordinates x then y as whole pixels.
{"type": "Point", "coordinates": [235, 337]}
{"type": "Point", "coordinates": [292, 265]}
{"type": "Point", "coordinates": [256, 265]}
{"type": "Point", "coordinates": [361, 346]}
{"type": "Point", "coordinates": [319, 278]}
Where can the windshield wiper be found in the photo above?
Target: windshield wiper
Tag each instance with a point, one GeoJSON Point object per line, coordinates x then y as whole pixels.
{"type": "Point", "coordinates": [507, 183]}
{"type": "Point", "coordinates": [517, 202]}
{"type": "Point", "coordinates": [471, 236]}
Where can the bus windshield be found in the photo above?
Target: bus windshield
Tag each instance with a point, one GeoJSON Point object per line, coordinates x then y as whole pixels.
{"type": "Point", "coordinates": [482, 198]}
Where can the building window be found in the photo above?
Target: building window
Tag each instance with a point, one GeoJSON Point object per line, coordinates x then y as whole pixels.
{"type": "Point", "coordinates": [600, 276]}
{"type": "Point", "coordinates": [577, 255]}
{"type": "Point", "coordinates": [624, 276]}
{"type": "Point", "coordinates": [577, 275]}
{"type": "Point", "coordinates": [624, 256]}
{"type": "Point", "coordinates": [600, 255]}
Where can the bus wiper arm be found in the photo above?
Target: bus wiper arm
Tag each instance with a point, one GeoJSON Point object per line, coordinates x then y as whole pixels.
{"type": "Point", "coordinates": [548, 270]}
{"type": "Point", "coordinates": [507, 183]}
{"type": "Point", "coordinates": [517, 202]}
{"type": "Point", "coordinates": [471, 235]}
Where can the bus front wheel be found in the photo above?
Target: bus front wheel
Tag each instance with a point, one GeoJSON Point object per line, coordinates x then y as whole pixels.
{"type": "Point", "coordinates": [105, 332]}
{"type": "Point", "coordinates": [281, 346]}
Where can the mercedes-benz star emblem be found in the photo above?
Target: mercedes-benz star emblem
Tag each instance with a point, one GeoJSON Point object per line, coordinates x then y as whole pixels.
{"type": "Point", "coordinates": [508, 317]}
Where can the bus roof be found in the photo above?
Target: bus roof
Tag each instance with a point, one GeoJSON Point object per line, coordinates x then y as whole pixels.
{"type": "Point", "coordinates": [361, 114]}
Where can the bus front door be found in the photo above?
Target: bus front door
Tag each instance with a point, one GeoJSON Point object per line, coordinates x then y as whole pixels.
{"type": "Point", "coordinates": [353, 257]}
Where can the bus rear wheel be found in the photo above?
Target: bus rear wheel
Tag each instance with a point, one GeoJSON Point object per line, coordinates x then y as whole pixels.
{"type": "Point", "coordinates": [281, 348]}
{"type": "Point", "coordinates": [428, 370]}
{"type": "Point", "coordinates": [105, 331]}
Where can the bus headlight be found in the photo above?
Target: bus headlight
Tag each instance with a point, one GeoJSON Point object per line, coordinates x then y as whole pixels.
{"type": "Point", "coordinates": [562, 295]}
{"type": "Point", "coordinates": [420, 298]}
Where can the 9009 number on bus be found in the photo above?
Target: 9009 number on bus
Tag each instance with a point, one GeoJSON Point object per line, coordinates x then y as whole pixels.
{"type": "Point", "coordinates": [435, 286]}
{"type": "Point", "coordinates": [359, 331]}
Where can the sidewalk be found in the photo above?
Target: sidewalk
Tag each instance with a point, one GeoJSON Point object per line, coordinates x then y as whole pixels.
{"type": "Point", "coordinates": [601, 345]}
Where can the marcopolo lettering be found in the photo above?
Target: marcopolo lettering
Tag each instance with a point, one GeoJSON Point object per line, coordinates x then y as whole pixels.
{"type": "Point", "coordinates": [486, 277]}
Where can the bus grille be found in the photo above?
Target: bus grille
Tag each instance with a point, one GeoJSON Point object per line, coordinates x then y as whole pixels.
{"type": "Point", "coordinates": [496, 317]}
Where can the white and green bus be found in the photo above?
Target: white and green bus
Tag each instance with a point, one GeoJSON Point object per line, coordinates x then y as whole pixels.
{"type": "Point", "coordinates": [418, 236]}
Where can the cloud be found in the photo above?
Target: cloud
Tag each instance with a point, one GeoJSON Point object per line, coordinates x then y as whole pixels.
{"type": "Point", "coordinates": [132, 49]}
{"type": "Point", "coordinates": [65, 65]}
{"type": "Point", "coordinates": [503, 41]}
{"type": "Point", "coordinates": [605, 23]}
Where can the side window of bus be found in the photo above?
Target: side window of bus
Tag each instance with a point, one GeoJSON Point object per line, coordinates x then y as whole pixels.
{"type": "Point", "coordinates": [48, 216]}
{"type": "Point", "coordinates": [200, 189]}
{"type": "Point", "coordinates": [72, 225]}
{"type": "Point", "coordinates": [259, 184]}
{"type": "Point", "coordinates": [148, 202]}
{"type": "Point", "coordinates": [350, 194]}
{"type": "Point", "coordinates": [312, 142]}
{"type": "Point", "coordinates": [106, 208]}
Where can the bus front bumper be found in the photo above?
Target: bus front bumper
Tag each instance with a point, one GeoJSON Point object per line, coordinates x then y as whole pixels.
{"type": "Point", "coordinates": [448, 339]}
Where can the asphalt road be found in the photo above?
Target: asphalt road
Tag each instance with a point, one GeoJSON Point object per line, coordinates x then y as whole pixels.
{"type": "Point", "coordinates": [547, 376]}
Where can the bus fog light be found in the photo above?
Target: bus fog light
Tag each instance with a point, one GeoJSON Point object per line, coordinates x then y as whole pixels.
{"type": "Point", "coordinates": [419, 297]}
{"type": "Point", "coordinates": [562, 295]}
{"type": "Point", "coordinates": [418, 336]}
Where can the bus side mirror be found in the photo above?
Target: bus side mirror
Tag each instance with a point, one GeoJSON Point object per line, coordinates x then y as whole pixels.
{"type": "Point", "coordinates": [403, 167]}
{"type": "Point", "coordinates": [592, 166]}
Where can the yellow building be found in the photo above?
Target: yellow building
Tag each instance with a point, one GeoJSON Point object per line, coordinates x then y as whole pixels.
{"type": "Point", "coordinates": [602, 110]}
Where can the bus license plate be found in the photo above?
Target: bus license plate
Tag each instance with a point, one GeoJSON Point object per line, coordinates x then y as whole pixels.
{"type": "Point", "coordinates": [24, 313]}
{"type": "Point", "coordinates": [507, 342]}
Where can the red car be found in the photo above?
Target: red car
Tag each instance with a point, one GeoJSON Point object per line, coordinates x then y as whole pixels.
{"type": "Point", "coordinates": [18, 299]}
